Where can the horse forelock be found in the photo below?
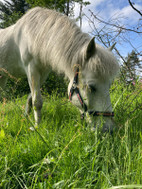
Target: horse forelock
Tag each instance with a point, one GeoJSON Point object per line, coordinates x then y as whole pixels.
{"type": "Point", "coordinates": [103, 63]}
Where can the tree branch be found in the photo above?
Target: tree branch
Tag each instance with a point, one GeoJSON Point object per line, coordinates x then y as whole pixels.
{"type": "Point", "coordinates": [131, 4]}
{"type": "Point", "coordinates": [114, 25]}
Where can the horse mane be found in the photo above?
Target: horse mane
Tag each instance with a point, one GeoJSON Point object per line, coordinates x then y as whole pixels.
{"type": "Point", "coordinates": [103, 63]}
{"type": "Point", "coordinates": [57, 41]}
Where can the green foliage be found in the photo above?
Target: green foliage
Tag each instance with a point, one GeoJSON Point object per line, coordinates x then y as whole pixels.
{"type": "Point", "coordinates": [129, 99]}
{"type": "Point", "coordinates": [64, 6]}
{"type": "Point", "coordinates": [129, 69]}
{"type": "Point", "coordinates": [19, 87]}
{"type": "Point", "coordinates": [55, 84]}
{"type": "Point", "coordinates": [11, 11]}
{"type": "Point", "coordinates": [47, 3]}
{"type": "Point", "coordinates": [16, 88]}
{"type": "Point", "coordinates": [8, 21]}
{"type": "Point", "coordinates": [64, 152]}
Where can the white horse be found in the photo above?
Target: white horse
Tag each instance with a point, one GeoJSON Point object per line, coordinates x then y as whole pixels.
{"type": "Point", "coordinates": [44, 40]}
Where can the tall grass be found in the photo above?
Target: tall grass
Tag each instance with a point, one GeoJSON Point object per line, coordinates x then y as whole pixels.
{"type": "Point", "coordinates": [64, 152]}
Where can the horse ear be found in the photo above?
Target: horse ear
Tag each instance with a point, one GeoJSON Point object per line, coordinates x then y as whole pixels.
{"type": "Point", "coordinates": [112, 47]}
{"type": "Point", "coordinates": [90, 48]}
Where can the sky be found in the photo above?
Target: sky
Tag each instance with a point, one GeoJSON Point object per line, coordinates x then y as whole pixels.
{"type": "Point", "coordinates": [121, 11]}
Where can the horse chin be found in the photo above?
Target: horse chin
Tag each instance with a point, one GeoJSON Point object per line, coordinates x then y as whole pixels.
{"type": "Point", "coordinates": [109, 125]}
{"type": "Point", "coordinates": [107, 129]}
{"type": "Point", "coordinates": [103, 124]}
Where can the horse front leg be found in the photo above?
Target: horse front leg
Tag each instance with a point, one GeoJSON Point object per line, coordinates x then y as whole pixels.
{"type": "Point", "coordinates": [28, 105]}
{"type": "Point", "coordinates": [34, 83]}
{"type": "Point", "coordinates": [37, 106]}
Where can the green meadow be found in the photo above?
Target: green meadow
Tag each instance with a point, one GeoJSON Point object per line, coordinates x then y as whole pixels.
{"type": "Point", "coordinates": [64, 152]}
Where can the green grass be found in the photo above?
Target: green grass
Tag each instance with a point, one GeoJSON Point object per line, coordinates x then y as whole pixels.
{"type": "Point", "coordinates": [64, 152]}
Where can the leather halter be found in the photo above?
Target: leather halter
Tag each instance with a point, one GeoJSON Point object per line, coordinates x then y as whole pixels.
{"type": "Point", "coordinates": [75, 89]}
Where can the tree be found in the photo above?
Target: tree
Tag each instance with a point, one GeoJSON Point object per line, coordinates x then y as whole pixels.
{"type": "Point", "coordinates": [64, 6]}
{"type": "Point", "coordinates": [11, 11]}
{"type": "Point", "coordinates": [131, 66]}
{"type": "Point", "coordinates": [60, 5]}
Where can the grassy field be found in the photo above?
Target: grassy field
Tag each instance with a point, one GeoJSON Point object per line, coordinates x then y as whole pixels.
{"type": "Point", "coordinates": [64, 152]}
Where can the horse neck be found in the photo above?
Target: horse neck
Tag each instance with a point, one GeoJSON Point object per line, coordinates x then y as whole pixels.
{"type": "Point", "coordinates": [72, 62]}
{"type": "Point", "coordinates": [7, 33]}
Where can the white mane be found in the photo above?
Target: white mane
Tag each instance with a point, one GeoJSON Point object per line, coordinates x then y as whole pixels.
{"type": "Point", "coordinates": [104, 63]}
{"type": "Point", "coordinates": [58, 42]}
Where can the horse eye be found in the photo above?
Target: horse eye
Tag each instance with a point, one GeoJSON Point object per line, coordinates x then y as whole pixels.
{"type": "Point", "coordinates": [92, 88]}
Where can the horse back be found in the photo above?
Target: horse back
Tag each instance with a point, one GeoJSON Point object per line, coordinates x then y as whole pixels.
{"type": "Point", "coordinates": [10, 52]}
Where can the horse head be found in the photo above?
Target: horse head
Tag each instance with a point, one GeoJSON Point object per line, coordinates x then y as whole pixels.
{"type": "Point", "coordinates": [89, 89]}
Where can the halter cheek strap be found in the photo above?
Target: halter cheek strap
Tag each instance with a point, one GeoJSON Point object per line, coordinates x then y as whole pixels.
{"type": "Point", "coordinates": [75, 89]}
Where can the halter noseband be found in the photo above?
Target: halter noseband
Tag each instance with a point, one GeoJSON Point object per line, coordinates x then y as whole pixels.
{"type": "Point", "coordinates": [75, 89]}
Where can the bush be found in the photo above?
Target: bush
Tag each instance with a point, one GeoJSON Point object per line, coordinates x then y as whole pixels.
{"type": "Point", "coordinates": [20, 87]}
